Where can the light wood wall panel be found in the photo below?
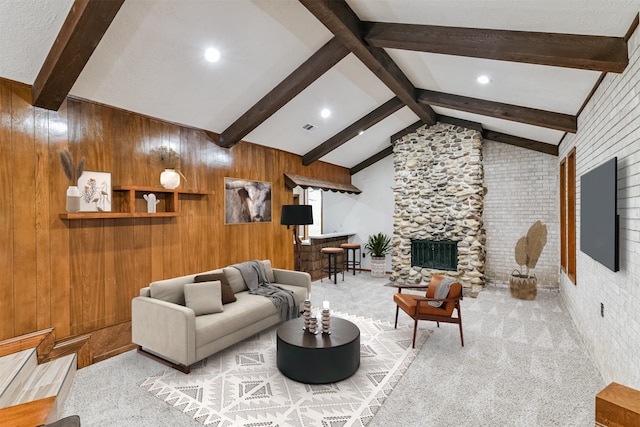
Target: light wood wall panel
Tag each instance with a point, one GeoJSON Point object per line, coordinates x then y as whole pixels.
{"type": "Point", "coordinates": [79, 276]}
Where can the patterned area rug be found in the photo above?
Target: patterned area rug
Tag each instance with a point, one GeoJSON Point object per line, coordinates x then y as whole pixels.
{"type": "Point", "coordinates": [241, 386]}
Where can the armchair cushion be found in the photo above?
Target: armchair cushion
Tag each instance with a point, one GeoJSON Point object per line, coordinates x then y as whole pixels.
{"type": "Point", "coordinates": [203, 297]}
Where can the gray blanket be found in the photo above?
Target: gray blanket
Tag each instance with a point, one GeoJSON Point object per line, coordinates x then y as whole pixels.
{"type": "Point", "coordinates": [442, 291]}
{"type": "Point", "coordinates": [255, 277]}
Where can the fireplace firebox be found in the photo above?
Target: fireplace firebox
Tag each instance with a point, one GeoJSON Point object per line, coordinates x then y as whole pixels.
{"type": "Point", "coordinates": [435, 254]}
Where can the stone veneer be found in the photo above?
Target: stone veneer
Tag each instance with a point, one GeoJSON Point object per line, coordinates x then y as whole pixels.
{"type": "Point", "coordinates": [439, 191]}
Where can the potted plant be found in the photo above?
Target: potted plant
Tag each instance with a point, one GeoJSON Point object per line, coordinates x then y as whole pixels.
{"type": "Point", "coordinates": [73, 173]}
{"type": "Point", "coordinates": [170, 161]}
{"type": "Point", "coordinates": [378, 245]}
{"type": "Point", "coordinates": [523, 283]}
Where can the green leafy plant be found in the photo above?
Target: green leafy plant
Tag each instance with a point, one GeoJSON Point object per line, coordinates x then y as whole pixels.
{"type": "Point", "coordinates": [378, 245]}
{"type": "Point", "coordinates": [529, 247]}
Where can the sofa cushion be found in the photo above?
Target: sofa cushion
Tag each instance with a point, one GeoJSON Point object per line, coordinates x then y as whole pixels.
{"type": "Point", "coordinates": [269, 270]}
{"type": "Point", "coordinates": [248, 310]}
{"type": "Point", "coordinates": [227, 292]}
{"type": "Point", "coordinates": [235, 279]}
{"type": "Point", "coordinates": [203, 297]}
{"type": "Point", "coordinates": [168, 290]}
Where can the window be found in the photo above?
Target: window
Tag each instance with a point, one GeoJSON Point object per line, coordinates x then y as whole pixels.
{"type": "Point", "coordinates": [313, 197]}
{"type": "Point", "coordinates": [568, 215]}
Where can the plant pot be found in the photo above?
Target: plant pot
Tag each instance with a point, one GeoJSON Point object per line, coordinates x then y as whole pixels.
{"type": "Point", "coordinates": [169, 178]}
{"type": "Point", "coordinates": [378, 266]}
{"type": "Point", "coordinates": [523, 287]}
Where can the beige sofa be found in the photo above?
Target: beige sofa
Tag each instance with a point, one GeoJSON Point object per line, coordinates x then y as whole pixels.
{"type": "Point", "coordinates": [169, 331]}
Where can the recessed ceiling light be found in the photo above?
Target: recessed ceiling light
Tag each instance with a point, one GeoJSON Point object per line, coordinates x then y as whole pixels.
{"type": "Point", "coordinates": [212, 54]}
{"type": "Point", "coordinates": [325, 113]}
{"type": "Point", "coordinates": [361, 132]}
{"type": "Point", "coordinates": [483, 80]}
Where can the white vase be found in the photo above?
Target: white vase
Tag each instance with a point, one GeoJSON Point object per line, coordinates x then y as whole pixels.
{"type": "Point", "coordinates": [169, 178]}
{"type": "Point", "coordinates": [73, 199]}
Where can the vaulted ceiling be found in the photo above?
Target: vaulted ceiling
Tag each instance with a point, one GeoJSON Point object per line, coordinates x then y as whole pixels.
{"type": "Point", "coordinates": [380, 66]}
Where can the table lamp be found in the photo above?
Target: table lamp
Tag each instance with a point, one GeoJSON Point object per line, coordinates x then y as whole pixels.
{"type": "Point", "coordinates": [296, 215]}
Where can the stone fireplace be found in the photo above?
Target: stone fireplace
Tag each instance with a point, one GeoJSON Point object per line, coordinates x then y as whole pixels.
{"type": "Point", "coordinates": [439, 193]}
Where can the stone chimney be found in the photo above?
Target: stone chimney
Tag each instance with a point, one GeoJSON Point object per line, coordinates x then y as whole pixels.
{"type": "Point", "coordinates": [439, 193]}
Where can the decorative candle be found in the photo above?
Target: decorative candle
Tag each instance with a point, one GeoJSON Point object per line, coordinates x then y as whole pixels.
{"type": "Point", "coordinates": [325, 305]}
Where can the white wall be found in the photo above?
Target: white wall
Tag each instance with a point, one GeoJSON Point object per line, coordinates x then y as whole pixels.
{"type": "Point", "coordinates": [368, 213]}
{"type": "Point", "coordinates": [610, 126]}
{"type": "Point", "coordinates": [522, 188]}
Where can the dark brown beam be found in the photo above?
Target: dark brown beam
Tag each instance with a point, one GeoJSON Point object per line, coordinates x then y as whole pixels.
{"type": "Point", "coordinates": [79, 36]}
{"type": "Point", "coordinates": [486, 134]}
{"type": "Point", "coordinates": [529, 144]}
{"type": "Point", "coordinates": [371, 160]}
{"type": "Point", "coordinates": [321, 62]}
{"type": "Point", "coordinates": [409, 129]}
{"type": "Point", "coordinates": [561, 50]}
{"type": "Point", "coordinates": [532, 116]}
{"type": "Point", "coordinates": [380, 113]}
{"type": "Point", "coordinates": [467, 124]}
{"type": "Point", "coordinates": [338, 17]}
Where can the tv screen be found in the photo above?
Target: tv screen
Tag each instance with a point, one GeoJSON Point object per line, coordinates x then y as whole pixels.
{"type": "Point", "coordinates": [599, 214]}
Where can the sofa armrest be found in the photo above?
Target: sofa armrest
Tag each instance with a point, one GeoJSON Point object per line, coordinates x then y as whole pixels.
{"type": "Point", "coordinates": [164, 328]}
{"type": "Point", "coordinates": [293, 278]}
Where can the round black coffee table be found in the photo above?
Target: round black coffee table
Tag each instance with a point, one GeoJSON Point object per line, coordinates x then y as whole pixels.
{"type": "Point", "coordinates": [318, 359]}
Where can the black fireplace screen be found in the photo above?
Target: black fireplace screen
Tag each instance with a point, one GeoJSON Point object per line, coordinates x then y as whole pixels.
{"type": "Point", "coordinates": [436, 254]}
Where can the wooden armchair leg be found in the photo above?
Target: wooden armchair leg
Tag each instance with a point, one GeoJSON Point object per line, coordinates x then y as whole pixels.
{"type": "Point", "coordinates": [415, 330]}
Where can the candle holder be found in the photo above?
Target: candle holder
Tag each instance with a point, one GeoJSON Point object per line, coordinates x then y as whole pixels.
{"type": "Point", "coordinates": [313, 325]}
{"type": "Point", "coordinates": [306, 313]}
{"type": "Point", "coordinates": [326, 320]}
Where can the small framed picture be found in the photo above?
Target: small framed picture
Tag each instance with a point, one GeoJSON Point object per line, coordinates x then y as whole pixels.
{"type": "Point", "coordinates": [95, 191]}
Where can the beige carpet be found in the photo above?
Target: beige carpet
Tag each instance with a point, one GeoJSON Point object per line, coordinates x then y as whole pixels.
{"type": "Point", "coordinates": [241, 386]}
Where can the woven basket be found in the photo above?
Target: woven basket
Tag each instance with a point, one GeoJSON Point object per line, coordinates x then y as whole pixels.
{"type": "Point", "coordinates": [523, 287]}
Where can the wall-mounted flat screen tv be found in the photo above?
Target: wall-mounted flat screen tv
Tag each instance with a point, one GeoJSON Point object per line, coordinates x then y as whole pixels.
{"type": "Point", "coordinates": [599, 214]}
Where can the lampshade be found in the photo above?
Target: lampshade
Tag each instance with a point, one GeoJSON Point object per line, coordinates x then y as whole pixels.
{"type": "Point", "coordinates": [296, 215]}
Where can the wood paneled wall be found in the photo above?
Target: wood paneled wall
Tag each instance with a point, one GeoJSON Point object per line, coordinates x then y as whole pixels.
{"type": "Point", "coordinates": [79, 276]}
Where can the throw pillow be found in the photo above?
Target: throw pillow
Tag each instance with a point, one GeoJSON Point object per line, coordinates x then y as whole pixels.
{"type": "Point", "coordinates": [235, 279]}
{"type": "Point", "coordinates": [269, 270]}
{"type": "Point", "coordinates": [227, 293]}
{"type": "Point", "coordinates": [170, 290]}
{"type": "Point", "coordinates": [203, 297]}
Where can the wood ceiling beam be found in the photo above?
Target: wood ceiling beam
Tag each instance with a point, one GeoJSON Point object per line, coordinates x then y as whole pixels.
{"type": "Point", "coordinates": [342, 21]}
{"type": "Point", "coordinates": [531, 116]}
{"type": "Point", "coordinates": [371, 160]}
{"type": "Point", "coordinates": [504, 138]}
{"type": "Point", "coordinates": [529, 144]}
{"type": "Point", "coordinates": [314, 67]}
{"type": "Point", "coordinates": [351, 131]}
{"type": "Point", "coordinates": [79, 36]}
{"type": "Point", "coordinates": [584, 52]}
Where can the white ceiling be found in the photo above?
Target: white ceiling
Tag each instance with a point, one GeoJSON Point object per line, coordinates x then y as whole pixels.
{"type": "Point", "coordinates": [151, 61]}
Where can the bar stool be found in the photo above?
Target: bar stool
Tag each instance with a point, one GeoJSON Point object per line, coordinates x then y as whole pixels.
{"type": "Point", "coordinates": [352, 248]}
{"type": "Point", "coordinates": [332, 254]}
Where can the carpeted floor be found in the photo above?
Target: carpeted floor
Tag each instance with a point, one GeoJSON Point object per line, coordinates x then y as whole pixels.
{"type": "Point", "coordinates": [523, 364]}
{"type": "Point", "coordinates": [242, 386]}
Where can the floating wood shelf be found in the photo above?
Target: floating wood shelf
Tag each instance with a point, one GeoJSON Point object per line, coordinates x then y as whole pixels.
{"type": "Point", "coordinates": [129, 203]}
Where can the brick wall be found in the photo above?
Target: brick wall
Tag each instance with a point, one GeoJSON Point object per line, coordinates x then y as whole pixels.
{"type": "Point", "coordinates": [610, 126]}
{"type": "Point", "coordinates": [522, 188]}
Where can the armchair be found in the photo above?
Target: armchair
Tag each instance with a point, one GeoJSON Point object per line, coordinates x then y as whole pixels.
{"type": "Point", "coordinates": [417, 307]}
